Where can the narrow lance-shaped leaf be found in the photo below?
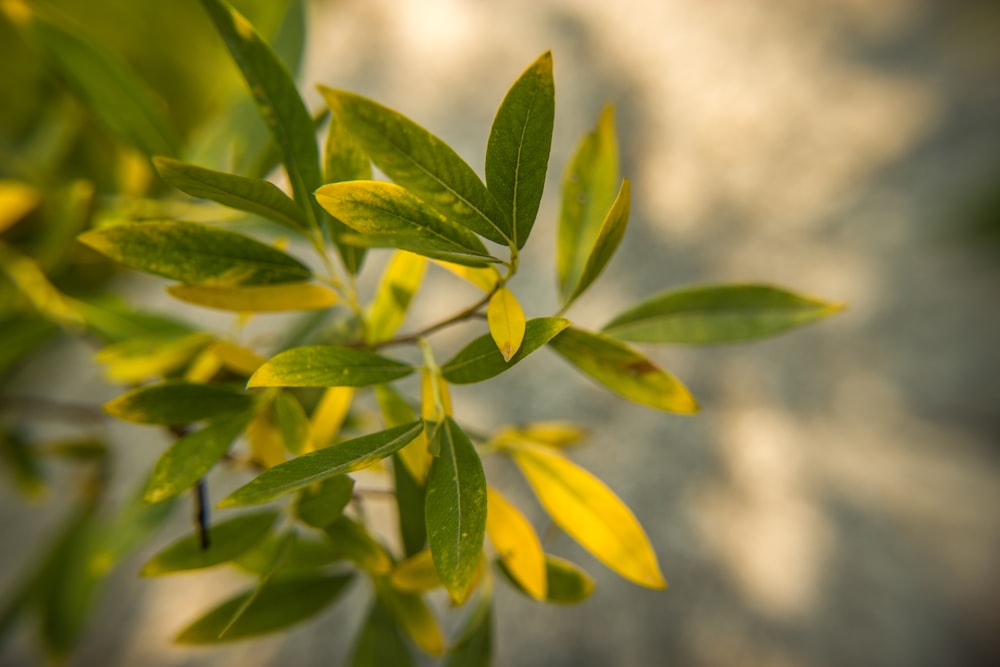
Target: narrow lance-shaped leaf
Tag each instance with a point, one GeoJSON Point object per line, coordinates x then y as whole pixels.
{"type": "Point", "coordinates": [400, 282]}
{"type": "Point", "coordinates": [588, 190]}
{"type": "Point", "coordinates": [142, 357]}
{"type": "Point", "coordinates": [257, 298]}
{"type": "Point", "coordinates": [717, 314]}
{"type": "Point", "coordinates": [267, 446]}
{"type": "Point", "coordinates": [31, 281]}
{"type": "Point", "coordinates": [350, 540]}
{"type": "Point", "coordinates": [474, 647]}
{"type": "Point", "coordinates": [190, 457]}
{"type": "Point", "coordinates": [380, 643]}
{"type": "Point", "coordinates": [329, 415]}
{"type": "Point", "coordinates": [346, 457]}
{"type": "Point", "coordinates": [623, 370]}
{"type": "Point", "coordinates": [230, 539]}
{"type": "Point", "coordinates": [506, 321]}
{"type": "Point", "coordinates": [322, 503]}
{"type": "Point", "coordinates": [480, 360]}
{"type": "Point", "coordinates": [327, 366]}
{"type": "Point", "coordinates": [195, 253]}
{"type": "Point", "coordinates": [280, 105]}
{"type": "Point", "coordinates": [590, 513]}
{"type": "Point", "coordinates": [384, 214]}
{"type": "Point", "coordinates": [416, 574]}
{"type": "Point", "coordinates": [177, 402]}
{"type": "Point", "coordinates": [410, 505]}
{"type": "Point", "coordinates": [485, 278]}
{"type": "Point", "coordinates": [456, 509]}
{"type": "Point", "coordinates": [517, 543]}
{"type": "Point", "coordinates": [293, 424]}
{"type": "Point", "coordinates": [517, 155]}
{"type": "Point", "coordinates": [566, 582]}
{"type": "Point", "coordinates": [608, 237]}
{"type": "Point", "coordinates": [413, 617]}
{"type": "Point", "coordinates": [422, 163]}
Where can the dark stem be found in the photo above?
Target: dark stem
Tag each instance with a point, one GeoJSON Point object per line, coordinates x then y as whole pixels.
{"type": "Point", "coordinates": [470, 312]}
{"type": "Point", "coordinates": [201, 513]}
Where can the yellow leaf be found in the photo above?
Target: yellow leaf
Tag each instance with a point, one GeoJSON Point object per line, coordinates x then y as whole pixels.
{"type": "Point", "coordinates": [257, 298]}
{"type": "Point", "coordinates": [516, 543]}
{"type": "Point", "coordinates": [204, 367]}
{"type": "Point", "coordinates": [506, 321]}
{"type": "Point", "coordinates": [400, 281]}
{"type": "Point", "coordinates": [590, 513]}
{"type": "Point", "coordinates": [32, 282]}
{"type": "Point", "coordinates": [238, 358]}
{"type": "Point", "coordinates": [329, 415]}
{"type": "Point", "coordinates": [416, 574]}
{"type": "Point", "coordinates": [266, 444]}
{"type": "Point", "coordinates": [144, 357]}
{"type": "Point", "coordinates": [485, 278]}
{"type": "Point", "coordinates": [549, 433]}
{"type": "Point", "coordinates": [16, 201]}
{"type": "Point", "coordinates": [435, 399]}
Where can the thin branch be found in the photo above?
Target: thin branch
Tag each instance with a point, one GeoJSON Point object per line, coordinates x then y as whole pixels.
{"type": "Point", "coordinates": [201, 514]}
{"type": "Point", "coordinates": [461, 316]}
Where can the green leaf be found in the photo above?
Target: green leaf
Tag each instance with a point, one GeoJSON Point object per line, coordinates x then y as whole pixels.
{"type": "Point", "coordinates": [455, 509]}
{"type": "Point", "coordinates": [344, 457]}
{"type": "Point", "coordinates": [196, 254]}
{"type": "Point", "coordinates": [474, 647]}
{"type": "Point", "coordinates": [252, 195]}
{"type": "Point", "coordinates": [410, 507]}
{"type": "Point", "coordinates": [481, 359]}
{"type": "Point", "coordinates": [134, 524]}
{"type": "Point", "coordinates": [283, 602]}
{"type": "Point", "coordinates": [20, 336]}
{"type": "Point", "coordinates": [278, 100]}
{"type": "Point", "coordinates": [380, 643]}
{"type": "Point", "coordinates": [566, 582]}
{"type": "Point", "coordinates": [588, 190]}
{"type": "Point", "coordinates": [344, 160]}
{"type": "Point", "coordinates": [191, 457]}
{"type": "Point", "coordinates": [305, 555]}
{"type": "Point", "coordinates": [352, 541]}
{"type": "Point", "coordinates": [517, 155]}
{"type": "Point", "coordinates": [608, 237]}
{"type": "Point", "coordinates": [229, 540]}
{"type": "Point", "coordinates": [717, 314]}
{"type": "Point", "coordinates": [623, 370]}
{"type": "Point", "coordinates": [327, 366]}
{"type": "Point", "coordinates": [322, 503]}
{"type": "Point", "coordinates": [109, 87]}
{"type": "Point", "coordinates": [387, 215]}
{"type": "Point", "coordinates": [292, 422]}
{"type": "Point", "coordinates": [177, 402]}
{"type": "Point", "coordinates": [413, 617]}
{"type": "Point", "coordinates": [421, 163]}
{"type": "Point", "coordinates": [400, 281]}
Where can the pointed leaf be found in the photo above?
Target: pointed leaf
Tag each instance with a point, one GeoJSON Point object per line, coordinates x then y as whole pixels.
{"type": "Point", "coordinates": [590, 513]}
{"type": "Point", "coordinates": [517, 155]}
{"type": "Point", "coordinates": [283, 602]}
{"type": "Point", "coordinates": [345, 457]}
{"type": "Point", "coordinates": [322, 503]}
{"type": "Point", "coordinates": [29, 279]}
{"type": "Point", "coordinates": [414, 618]}
{"type": "Point", "coordinates": [195, 253]}
{"type": "Point", "coordinates": [327, 366]}
{"type": "Point", "coordinates": [191, 457]}
{"type": "Point", "coordinates": [177, 402]}
{"type": "Point", "coordinates": [252, 195]}
{"type": "Point", "coordinates": [292, 423]}
{"type": "Point", "coordinates": [410, 507]}
{"type": "Point", "coordinates": [456, 509]}
{"type": "Point", "coordinates": [480, 360]}
{"type": "Point", "coordinates": [516, 543]}
{"type": "Point", "coordinates": [548, 433]}
{"type": "Point", "coordinates": [421, 163]}
{"type": "Point", "coordinates": [229, 539]}
{"type": "Point", "coordinates": [329, 415]}
{"type": "Point", "coordinates": [400, 282]}
{"type": "Point", "coordinates": [280, 105]}
{"type": "Point", "coordinates": [566, 582]}
{"type": "Point", "coordinates": [608, 237]}
{"type": "Point", "coordinates": [143, 357]}
{"type": "Point", "coordinates": [380, 643]}
{"type": "Point", "coordinates": [416, 574]}
{"type": "Point", "coordinates": [380, 210]}
{"type": "Point", "coordinates": [588, 190]}
{"type": "Point", "coordinates": [506, 322]}
{"type": "Point", "coordinates": [258, 298]}
{"type": "Point", "coordinates": [485, 278]}
{"type": "Point", "coordinates": [623, 370]}
{"type": "Point", "coordinates": [717, 314]}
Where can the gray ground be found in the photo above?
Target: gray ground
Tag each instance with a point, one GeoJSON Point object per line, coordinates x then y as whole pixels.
{"type": "Point", "coordinates": [836, 501]}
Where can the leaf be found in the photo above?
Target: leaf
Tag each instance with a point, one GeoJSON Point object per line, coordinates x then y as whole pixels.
{"type": "Point", "coordinates": [329, 415]}
{"type": "Point", "coordinates": [608, 237]}
{"type": "Point", "coordinates": [345, 457]}
{"type": "Point", "coordinates": [590, 513]}
{"type": "Point", "coordinates": [548, 433]}
{"type": "Point", "coordinates": [416, 574]}
{"type": "Point", "coordinates": [400, 282]}
{"type": "Point", "coordinates": [395, 411]}
{"type": "Point", "coordinates": [516, 543]}
{"type": "Point", "coordinates": [588, 190]}
{"type": "Point", "coordinates": [566, 582]}
{"type": "Point", "coordinates": [352, 541]}
{"type": "Point", "coordinates": [282, 603]}
{"type": "Point", "coordinates": [322, 503]}
{"type": "Point", "coordinates": [480, 360]}
{"type": "Point", "coordinates": [292, 423]}
{"type": "Point", "coordinates": [196, 254]}
{"type": "Point", "coordinates": [252, 195]}
{"type": "Point", "coordinates": [623, 370]}
{"type": "Point", "coordinates": [717, 314]}
{"type": "Point", "coordinates": [410, 507]}
{"type": "Point", "coordinates": [132, 527]}
{"type": "Point", "coordinates": [506, 321]}
{"type": "Point", "coordinates": [456, 509]}
{"type": "Point", "coordinates": [421, 163]}
{"type": "Point", "coordinates": [191, 457]}
{"type": "Point", "coordinates": [385, 211]}
{"type": "Point", "coordinates": [267, 447]}
{"type": "Point", "coordinates": [517, 154]}
{"type": "Point", "coordinates": [304, 556]}
{"type": "Point", "coordinates": [29, 279]}
{"type": "Point", "coordinates": [17, 200]}
{"type": "Point", "coordinates": [485, 278]}
{"type": "Point", "coordinates": [380, 643]}
{"type": "Point", "coordinates": [278, 101]}
{"type": "Point", "coordinates": [258, 298]}
{"type": "Point", "coordinates": [413, 617]}
{"type": "Point", "coordinates": [327, 366]}
{"type": "Point", "coordinates": [237, 358]}
{"type": "Point", "coordinates": [177, 402]}
{"type": "Point", "coordinates": [143, 357]}
{"type": "Point", "coordinates": [474, 647]}
{"type": "Point", "coordinates": [229, 539]}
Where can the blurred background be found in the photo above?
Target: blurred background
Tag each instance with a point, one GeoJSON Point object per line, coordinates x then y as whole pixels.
{"type": "Point", "coordinates": [837, 500]}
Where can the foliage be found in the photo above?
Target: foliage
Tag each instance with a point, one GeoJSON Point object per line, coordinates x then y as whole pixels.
{"type": "Point", "coordinates": [301, 417]}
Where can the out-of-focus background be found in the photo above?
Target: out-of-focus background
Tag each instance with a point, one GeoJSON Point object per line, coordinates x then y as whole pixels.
{"type": "Point", "coordinates": [837, 500]}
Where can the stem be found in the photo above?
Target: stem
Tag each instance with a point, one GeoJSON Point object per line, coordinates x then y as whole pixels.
{"type": "Point", "coordinates": [460, 316]}
{"type": "Point", "coordinates": [201, 514]}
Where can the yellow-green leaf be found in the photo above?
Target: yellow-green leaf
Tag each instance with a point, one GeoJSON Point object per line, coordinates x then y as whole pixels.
{"type": "Point", "coordinates": [416, 574]}
{"type": "Point", "coordinates": [229, 540]}
{"type": "Point", "coordinates": [17, 200]}
{"type": "Point", "coordinates": [414, 618]}
{"type": "Point", "coordinates": [327, 366]}
{"type": "Point", "coordinates": [566, 582]}
{"type": "Point", "coordinates": [322, 503]}
{"type": "Point", "coordinates": [590, 513]}
{"type": "Point", "coordinates": [267, 447]}
{"type": "Point", "coordinates": [623, 370]}
{"type": "Point", "coordinates": [31, 281]}
{"type": "Point", "coordinates": [506, 322]}
{"type": "Point", "coordinates": [549, 433]}
{"type": "Point", "coordinates": [717, 314]}
{"type": "Point", "coordinates": [481, 359]}
{"type": "Point", "coordinates": [485, 277]}
{"type": "Point", "coordinates": [258, 298]}
{"type": "Point", "coordinates": [608, 237]}
{"type": "Point", "coordinates": [400, 282]}
{"type": "Point", "coordinates": [352, 541]}
{"type": "Point", "coordinates": [177, 402]}
{"type": "Point", "coordinates": [516, 543]}
{"type": "Point", "coordinates": [329, 415]}
{"type": "Point", "coordinates": [144, 357]}
{"type": "Point", "coordinates": [237, 358]}
{"type": "Point", "coordinates": [292, 423]}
